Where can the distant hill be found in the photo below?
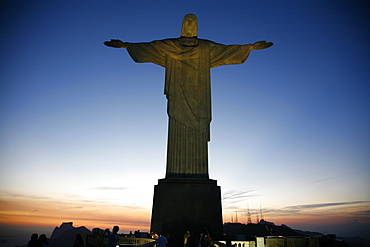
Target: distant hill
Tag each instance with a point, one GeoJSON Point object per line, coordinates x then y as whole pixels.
{"type": "Point", "coordinates": [263, 228]}
{"type": "Point", "coordinates": [355, 241]}
{"type": "Point", "coordinates": [65, 235]}
{"type": "Point", "coordinates": [310, 234]}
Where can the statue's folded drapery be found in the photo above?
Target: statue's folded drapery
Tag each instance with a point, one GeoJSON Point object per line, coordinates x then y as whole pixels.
{"type": "Point", "coordinates": [187, 87]}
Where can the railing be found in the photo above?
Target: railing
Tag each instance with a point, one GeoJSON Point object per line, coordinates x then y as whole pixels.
{"type": "Point", "coordinates": [237, 243]}
{"type": "Point", "coordinates": [273, 242]}
{"type": "Point", "coordinates": [134, 241]}
{"type": "Point", "coordinates": [219, 243]}
{"type": "Point", "coordinates": [96, 240]}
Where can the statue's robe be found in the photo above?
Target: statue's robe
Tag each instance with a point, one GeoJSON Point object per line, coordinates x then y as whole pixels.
{"type": "Point", "coordinates": [187, 87]}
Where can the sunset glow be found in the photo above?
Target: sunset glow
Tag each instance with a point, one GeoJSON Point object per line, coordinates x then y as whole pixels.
{"type": "Point", "coordinates": [83, 128]}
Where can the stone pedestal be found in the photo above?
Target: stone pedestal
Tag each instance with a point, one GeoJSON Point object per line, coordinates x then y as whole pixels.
{"type": "Point", "coordinates": [181, 204]}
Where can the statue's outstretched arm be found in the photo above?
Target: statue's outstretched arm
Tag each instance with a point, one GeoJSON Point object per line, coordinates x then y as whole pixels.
{"type": "Point", "coordinates": [259, 45]}
{"type": "Point", "coordinates": [116, 43]}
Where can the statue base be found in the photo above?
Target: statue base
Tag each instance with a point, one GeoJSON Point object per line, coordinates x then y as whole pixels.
{"type": "Point", "coordinates": [181, 204]}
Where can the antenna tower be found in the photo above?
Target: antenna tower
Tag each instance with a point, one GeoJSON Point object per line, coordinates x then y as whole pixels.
{"type": "Point", "coordinates": [261, 213]}
{"type": "Point", "coordinates": [249, 220]}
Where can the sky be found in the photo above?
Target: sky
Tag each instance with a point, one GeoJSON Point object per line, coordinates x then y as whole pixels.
{"type": "Point", "coordinates": [83, 127]}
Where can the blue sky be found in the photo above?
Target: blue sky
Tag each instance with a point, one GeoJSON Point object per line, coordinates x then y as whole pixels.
{"type": "Point", "coordinates": [84, 126]}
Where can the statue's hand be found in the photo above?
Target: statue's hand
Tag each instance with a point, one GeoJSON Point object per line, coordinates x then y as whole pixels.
{"type": "Point", "coordinates": [259, 45]}
{"type": "Point", "coordinates": [116, 43]}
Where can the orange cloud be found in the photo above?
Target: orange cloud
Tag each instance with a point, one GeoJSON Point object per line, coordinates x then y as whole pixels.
{"type": "Point", "coordinates": [27, 212]}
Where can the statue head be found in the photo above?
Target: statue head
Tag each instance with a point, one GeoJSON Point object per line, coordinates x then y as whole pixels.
{"type": "Point", "coordinates": [189, 26]}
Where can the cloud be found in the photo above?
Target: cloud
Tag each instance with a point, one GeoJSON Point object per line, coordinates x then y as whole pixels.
{"type": "Point", "coordinates": [361, 213]}
{"type": "Point", "coordinates": [322, 209]}
{"type": "Point", "coordinates": [322, 180]}
{"type": "Point", "coordinates": [232, 198]}
{"type": "Point", "coordinates": [231, 195]}
{"type": "Point", "coordinates": [109, 188]}
{"type": "Point", "coordinates": [17, 195]}
{"type": "Point", "coordinates": [322, 205]}
{"type": "Point", "coordinates": [83, 203]}
{"type": "Point", "coordinates": [75, 207]}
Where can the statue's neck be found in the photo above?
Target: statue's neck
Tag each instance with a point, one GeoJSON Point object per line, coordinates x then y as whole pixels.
{"type": "Point", "coordinates": [189, 41]}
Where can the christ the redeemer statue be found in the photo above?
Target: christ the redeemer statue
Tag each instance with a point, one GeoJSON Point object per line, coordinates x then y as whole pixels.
{"type": "Point", "coordinates": [188, 61]}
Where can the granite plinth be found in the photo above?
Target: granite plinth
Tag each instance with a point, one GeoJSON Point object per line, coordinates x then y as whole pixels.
{"type": "Point", "coordinates": [182, 204]}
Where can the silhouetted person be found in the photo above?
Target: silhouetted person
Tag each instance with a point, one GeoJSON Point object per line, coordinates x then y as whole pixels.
{"type": "Point", "coordinates": [228, 242]}
{"type": "Point", "coordinates": [187, 234]}
{"type": "Point", "coordinates": [191, 240]}
{"type": "Point", "coordinates": [154, 235]}
{"type": "Point", "coordinates": [137, 234]}
{"type": "Point", "coordinates": [205, 240]}
{"type": "Point", "coordinates": [79, 242]}
{"type": "Point", "coordinates": [34, 242]}
{"type": "Point", "coordinates": [112, 238]}
{"type": "Point", "coordinates": [43, 240]}
{"type": "Point", "coordinates": [161, 241]}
